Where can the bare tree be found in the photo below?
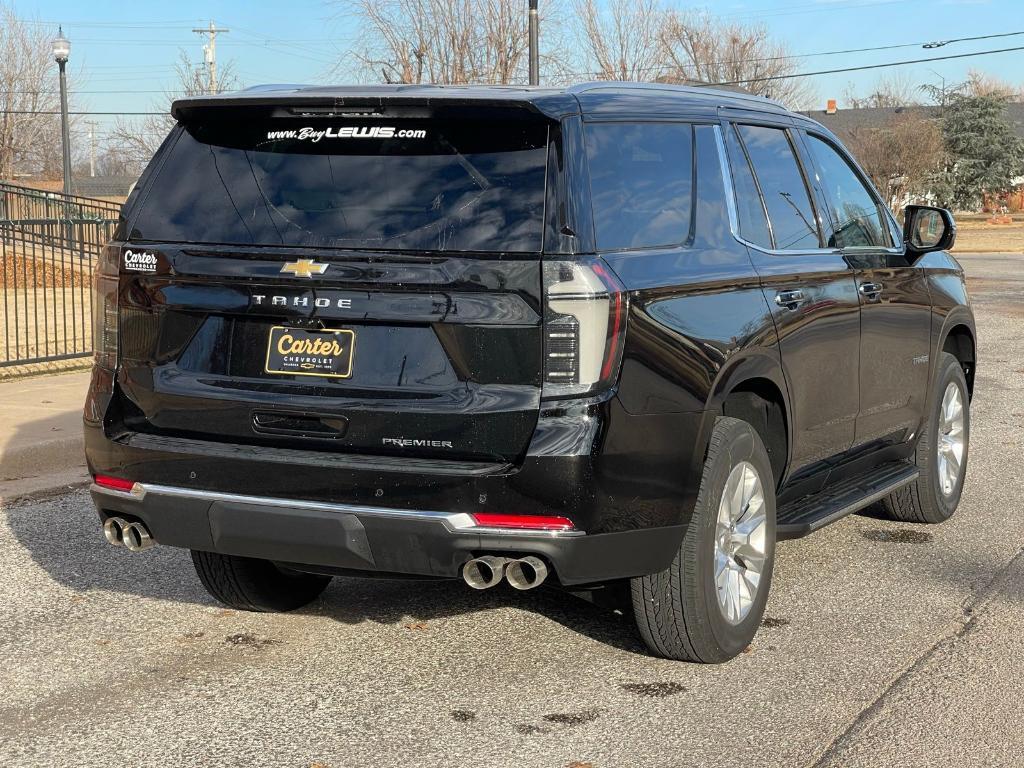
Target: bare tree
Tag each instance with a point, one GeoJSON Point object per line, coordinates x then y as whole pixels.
{"type": "Point", "coordinates": [700, 48]}
{"type": "Point", "coordinates": [902, 155]}
{"type": "Point", "coordinates": [28, 134]}
{"type": "Point", "coordinates": [896, 90]}
{"type": "Point", "coordinates": [645, 41]}
{"type": "Point", "coordinates": [623, 41]}
{"type": "Point", "coordinates": [445, 41]}
{"type": "Point", "coordinates": [131, 143]}
{"type": "Point", "coordinates": [985, 84]}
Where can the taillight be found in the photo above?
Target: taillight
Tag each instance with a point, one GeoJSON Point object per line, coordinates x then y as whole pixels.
{"type": "Point", "coordinates": [104, 308]}
{"type": "Point", "coordinates": [584, 324]}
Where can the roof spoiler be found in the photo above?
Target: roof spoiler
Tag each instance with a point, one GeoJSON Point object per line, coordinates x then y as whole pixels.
{"type": "Point", "coordinates": [301, 102]}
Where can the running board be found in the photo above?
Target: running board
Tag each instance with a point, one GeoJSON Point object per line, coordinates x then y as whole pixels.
{"type": "Point", "coordinates": [835, 502]}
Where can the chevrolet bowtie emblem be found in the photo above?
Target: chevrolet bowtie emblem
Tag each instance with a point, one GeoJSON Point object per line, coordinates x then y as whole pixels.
{"type": "Point", "coordinates": [304, 268]}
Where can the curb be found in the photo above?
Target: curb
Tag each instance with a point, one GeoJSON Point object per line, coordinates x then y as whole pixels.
{"type": "Point", "coordinates": [42, 458]}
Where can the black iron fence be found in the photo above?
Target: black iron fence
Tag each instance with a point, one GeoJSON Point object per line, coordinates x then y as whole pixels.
{"type": "Point", "coordinates": [49, 243]}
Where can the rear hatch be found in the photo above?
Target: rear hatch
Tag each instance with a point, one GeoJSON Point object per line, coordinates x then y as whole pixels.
{"type": "Point", "coordinates": [364, 283]}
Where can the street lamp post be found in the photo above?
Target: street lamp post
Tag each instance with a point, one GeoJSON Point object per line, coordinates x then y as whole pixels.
{"type": "Point", "coordinates": [61, 53]}
{"type": "Point", "coordinates": [534, 53]}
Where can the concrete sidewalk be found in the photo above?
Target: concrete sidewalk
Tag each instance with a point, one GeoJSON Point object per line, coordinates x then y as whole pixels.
{"type": "Point", "coordinates": [41, 434]}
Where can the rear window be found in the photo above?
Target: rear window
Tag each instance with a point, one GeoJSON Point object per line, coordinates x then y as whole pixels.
{"type": "Point", "coordinates": [399, 185]}
{"type": "Point", "coordinates": [641, 176]}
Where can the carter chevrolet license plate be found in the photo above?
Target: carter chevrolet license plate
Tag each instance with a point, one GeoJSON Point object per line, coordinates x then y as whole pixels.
{"type": "Point", "coordinates": [300, 352]}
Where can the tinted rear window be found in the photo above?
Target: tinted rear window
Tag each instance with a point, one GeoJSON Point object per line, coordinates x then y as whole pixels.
{"type": "Point", "coordinates": [399, 185]}
{"type": "Point", "coordinates": [641, 177]}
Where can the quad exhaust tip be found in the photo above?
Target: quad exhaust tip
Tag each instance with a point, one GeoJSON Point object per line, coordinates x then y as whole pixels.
{"type": "Point", "coordinates": [521, 573]}
{"type": "Point", "coordinates": [128, 533]}
{"type": "Point", "coordinates": [526, 573]}
{"type": "Point", "coordinates": [484, 572]}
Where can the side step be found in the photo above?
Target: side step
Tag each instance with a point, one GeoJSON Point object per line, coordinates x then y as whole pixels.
{"type": "Point", "coordinates": [834, 502]}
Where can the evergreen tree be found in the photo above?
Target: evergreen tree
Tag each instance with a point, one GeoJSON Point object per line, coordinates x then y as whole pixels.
{"type": "Point", "coordinates": [984, 154]}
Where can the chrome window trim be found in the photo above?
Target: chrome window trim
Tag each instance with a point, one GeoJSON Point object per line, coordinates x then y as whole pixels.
{"type": "Point", "coordinates": [455, 522]}
{"type": "Point", "coordinates": [730, 204]}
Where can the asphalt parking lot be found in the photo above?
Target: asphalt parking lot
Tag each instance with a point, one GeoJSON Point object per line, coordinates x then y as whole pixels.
{"type": "Point", "coordinates": [884, 644]}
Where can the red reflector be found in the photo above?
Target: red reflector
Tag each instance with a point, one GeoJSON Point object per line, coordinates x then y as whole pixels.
{"type": "Point", "coordinates": [532, 522]}
{"type": "Point", "coordinates": [114, 483]}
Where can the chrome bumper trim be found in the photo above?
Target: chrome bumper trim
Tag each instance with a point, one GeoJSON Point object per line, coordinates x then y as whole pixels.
{"type": "Point", "coordinates": [456, 522]}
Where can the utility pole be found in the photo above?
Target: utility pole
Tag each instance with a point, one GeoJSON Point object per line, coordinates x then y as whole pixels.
{"type": "Point", "coordinates": [534, 44]}
{"type": "Point", "coordinates": [92, 147]}
{"type": "Point", "coordinates": [210, 54]}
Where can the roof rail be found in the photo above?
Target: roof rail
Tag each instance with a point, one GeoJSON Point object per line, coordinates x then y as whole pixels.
{"type": "Point", "coordinates": [695, 90]}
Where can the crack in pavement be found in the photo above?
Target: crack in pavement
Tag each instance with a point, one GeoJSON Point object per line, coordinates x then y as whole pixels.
{"type": "Point", "coordinates": [973, 608]}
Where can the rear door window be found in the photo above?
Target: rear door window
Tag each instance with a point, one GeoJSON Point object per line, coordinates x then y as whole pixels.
{"type": "Point", "coordinates": [434, 185]}
{"type": "Point", "coordinates": [794, 226]}
{"type": "Point", "coordinates": [857, 217]}
{"type": "Point", "coordinates": [641, 179]}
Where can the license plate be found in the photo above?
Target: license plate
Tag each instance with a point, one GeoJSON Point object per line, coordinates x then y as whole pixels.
{"type": "Point", "coordinates": [300, 352]}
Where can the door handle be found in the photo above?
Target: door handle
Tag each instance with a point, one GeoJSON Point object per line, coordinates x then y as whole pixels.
{"type": "Point", "coordinates": [789, 299]}
{"type": "Point", "coordinates": [870, 291]}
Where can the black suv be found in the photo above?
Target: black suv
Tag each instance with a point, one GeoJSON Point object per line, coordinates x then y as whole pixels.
{"type": "Point", "coordinates": [605, 335]}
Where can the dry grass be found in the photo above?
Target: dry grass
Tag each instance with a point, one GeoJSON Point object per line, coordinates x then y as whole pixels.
{"type": "Point", "coordinates": [28, 267]}
{"type": "Point", "coordinates": [976, 235]}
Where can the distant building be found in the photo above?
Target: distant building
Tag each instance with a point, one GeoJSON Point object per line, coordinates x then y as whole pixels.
{"type": "Point", "coordinates": [843, 121]}
{"type": "Point", "coordinates": [103, 186]}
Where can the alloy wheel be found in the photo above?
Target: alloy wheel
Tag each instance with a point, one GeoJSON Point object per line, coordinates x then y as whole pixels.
{"type": "Point", "coordinates": [740, 542]}
{"type": "Point", "coordinates": [951, 439]}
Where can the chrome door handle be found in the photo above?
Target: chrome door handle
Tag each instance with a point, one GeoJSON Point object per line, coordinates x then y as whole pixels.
{"type": "Point", "coordinates": [870, 290]}
{"type": "Point", "coordinates": [789, 299]}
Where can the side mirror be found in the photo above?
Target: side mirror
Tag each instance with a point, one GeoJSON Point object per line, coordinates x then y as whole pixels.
{"type": "Point", "coordinates": [926, 228]}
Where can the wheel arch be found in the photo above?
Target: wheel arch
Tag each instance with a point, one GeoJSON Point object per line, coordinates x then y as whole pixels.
{"type": "Point", "coordinates": [753, 389]}
{"type": "Point", "coordinates": [958, 339]}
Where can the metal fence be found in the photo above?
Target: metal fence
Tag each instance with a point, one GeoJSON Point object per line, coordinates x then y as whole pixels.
{"type": "Point", "coordinates": [49, 243]}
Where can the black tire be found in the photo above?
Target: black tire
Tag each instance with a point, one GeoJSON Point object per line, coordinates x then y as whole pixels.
{"type": "Point", "coordinates": [246, 584]}
{"type": "Point", "coordinates": [677, 610]}
{"type": "Point", "coordinates": [923, 500]}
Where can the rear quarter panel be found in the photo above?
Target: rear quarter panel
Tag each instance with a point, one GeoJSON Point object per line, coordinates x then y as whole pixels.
{"type": "Point", "coordinates": [698, 321]}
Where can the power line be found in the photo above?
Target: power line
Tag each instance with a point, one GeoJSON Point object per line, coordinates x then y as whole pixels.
{"type": "Point", "coordinates": [669, 68]}
{"type": "Point", "coordinates": [868, 66]}
{"type": "Point", "coordinates": [75, 112]}
{"type": "Point", "coordinates": [766, 79]}
{"type": "Point", "coordinates": [76, 92]}
{"type": "Point", "coordinates": [927, 44]}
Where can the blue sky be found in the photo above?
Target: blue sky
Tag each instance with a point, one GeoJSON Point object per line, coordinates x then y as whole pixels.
{"type": "Point", "coordinates": [123, 53]}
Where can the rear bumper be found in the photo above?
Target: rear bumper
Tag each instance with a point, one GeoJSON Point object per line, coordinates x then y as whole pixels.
{"type": "Point", "coordinates": [374, 539]}
{"type": "Point", "coordinates": [628, 481]}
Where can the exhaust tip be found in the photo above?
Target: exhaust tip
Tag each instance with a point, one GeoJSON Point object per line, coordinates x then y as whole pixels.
{"type": "Point", "coordinates": [526, 573]}
{"type": "Point", "coordinates": [113, 530]}
{"type": "Point", "coordinates": [484, 572]}
{"type": "Point", "coordinates": [136, 537]}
